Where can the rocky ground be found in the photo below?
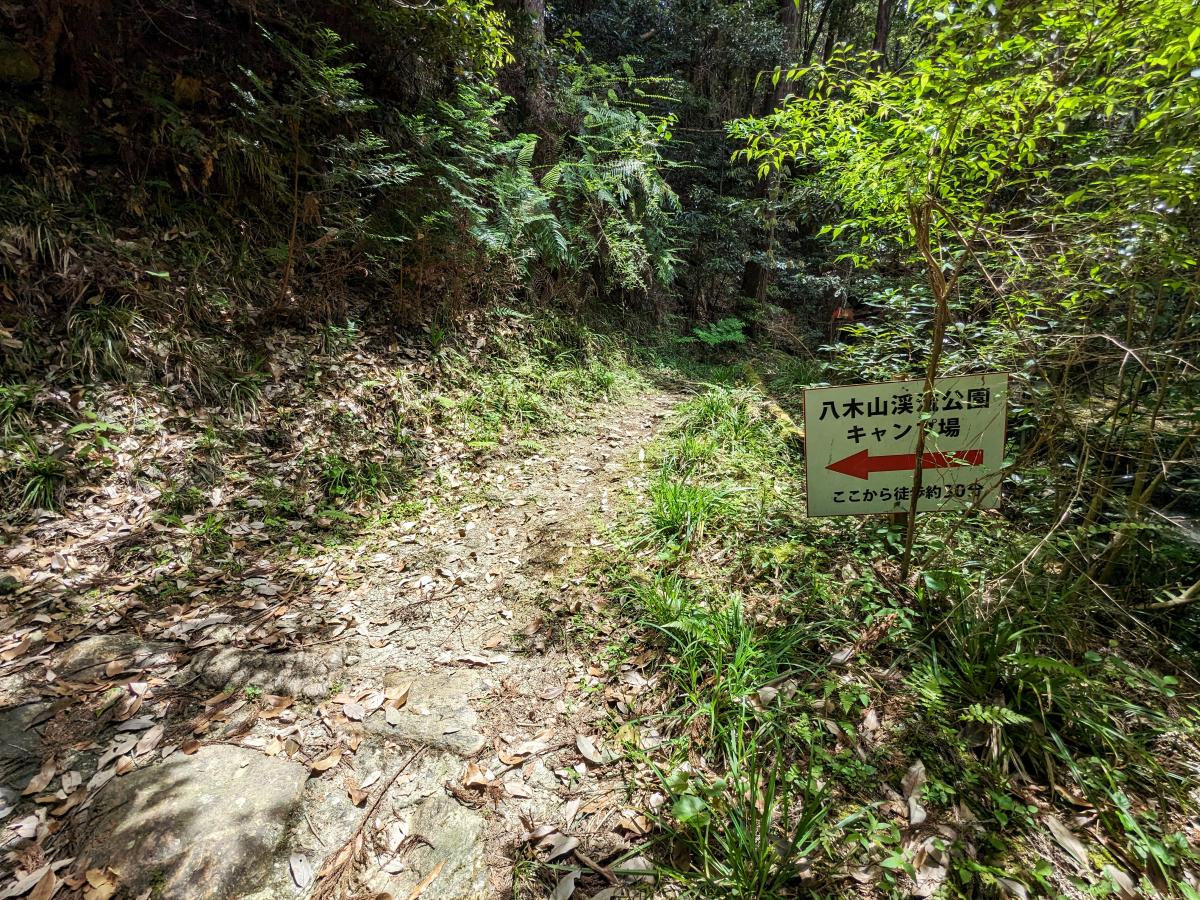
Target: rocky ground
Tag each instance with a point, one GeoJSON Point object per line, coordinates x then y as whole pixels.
{"type": "Point", "coordinates": [421, 729]}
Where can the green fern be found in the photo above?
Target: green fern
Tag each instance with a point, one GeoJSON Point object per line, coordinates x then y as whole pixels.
{"type": "Point", "coordinates": [994, 715]}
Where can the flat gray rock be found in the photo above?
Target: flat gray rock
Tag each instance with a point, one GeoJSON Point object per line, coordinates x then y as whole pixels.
{"type": "Point", "coordinates": [438, 713]}
{"type": "Point", "coordinates": [276, 673]}
{"type": "Point", "coordinates": [449, 833]}
{"type": "Point", "coordinates": [20, 744]}
{"type": "Point", "coordinates": [87, 658]}
{"type": "Point", "coordinates": [206, 825]}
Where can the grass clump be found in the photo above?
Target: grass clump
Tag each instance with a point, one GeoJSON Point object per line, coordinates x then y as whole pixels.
{"type": "Point", "coordinates": [801, 683]}
{"type": "Point", "coordinates": [36, 479]}
{"type": "Point", "coordinates": [347, 480]}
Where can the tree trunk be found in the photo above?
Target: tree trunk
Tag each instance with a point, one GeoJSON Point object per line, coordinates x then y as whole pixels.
{"type": "Point", "coordinates": [883, 25]}
{"type": "Point", "coordinates": [755, 275]}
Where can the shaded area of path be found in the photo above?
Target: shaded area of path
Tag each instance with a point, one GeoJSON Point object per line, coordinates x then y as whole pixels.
{"type": "Point", "coordinates": [424, 747]}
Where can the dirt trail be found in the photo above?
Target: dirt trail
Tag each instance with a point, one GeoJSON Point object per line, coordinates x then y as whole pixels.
{"type": "Point", "coordinates": [410, 751]}
{"type": "Point", "coordinates": [488, 675]}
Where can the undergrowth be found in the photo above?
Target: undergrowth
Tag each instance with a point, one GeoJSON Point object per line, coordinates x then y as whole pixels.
{"type": "Point", "coordinates": [801, 685]}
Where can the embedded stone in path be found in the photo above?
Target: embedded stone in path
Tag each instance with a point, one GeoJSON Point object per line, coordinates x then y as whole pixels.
{"type": "Point", "coordinates": [276, 673]}
{"type": "Point", "coordinates": [438, 713]}
{"type": "Point", "coordinates": [20, 744]}
{"type": "Point", "coordinates": [450, 837]}
{"type": "Point", "coordinates": [88, 658]}
{"type": "Point", "coordinates": [206, 825]}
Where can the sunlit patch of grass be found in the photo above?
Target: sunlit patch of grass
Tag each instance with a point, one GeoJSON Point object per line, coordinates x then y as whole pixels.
{"type": "Point", "coordinates": [38, 479]}
{"type": "Point", "coordinates": [342, 479]}
{"type": "Point", "coordinates": [680, 510]}
{"type": "Point", "coordinates": [771, 631]}
{"type": "Point", "coordinates": [747, 833]}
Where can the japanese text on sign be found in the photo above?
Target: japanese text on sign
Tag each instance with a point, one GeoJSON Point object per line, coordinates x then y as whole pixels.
{"type": "Point", "coordinates": [861, 443]}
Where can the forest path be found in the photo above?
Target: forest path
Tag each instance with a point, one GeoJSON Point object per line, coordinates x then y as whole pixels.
{"type": "Point", "coordinates": [436, 736]}
{"type": "Point", "coordinates": [496, 695]}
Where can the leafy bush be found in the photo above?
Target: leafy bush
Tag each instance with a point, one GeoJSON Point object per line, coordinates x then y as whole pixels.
{"type": "Point", "coordinates": [724, 333]}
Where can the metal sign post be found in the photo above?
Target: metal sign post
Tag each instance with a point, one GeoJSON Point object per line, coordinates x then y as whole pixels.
{"type": "Point", "coordinates": [861, 444]}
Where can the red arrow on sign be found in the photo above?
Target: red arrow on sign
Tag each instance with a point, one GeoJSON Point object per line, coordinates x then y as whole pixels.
{"type": "Point", "coordinates": [862, 463]}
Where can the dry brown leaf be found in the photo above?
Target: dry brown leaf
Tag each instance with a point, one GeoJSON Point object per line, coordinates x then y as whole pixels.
{"type": "Point", "coordinates": [273, 706]}
{"type": "Point", "coordinates": [517, 789]}
{"type": "Point", "coordinates": [425, 882]}
{"type": "Point", "coordinates": [101, 884]}
{"type": "Point", "coordinates": [46, 887]}
{"type": "Point", "coordinates": [77, 796]}
{"type": "Point", "coordinates": [328, 761]}
{"type": "Point", "coordinates": [189, 747]}
{"type": "Point", "coordinates": [566, 886]}
{"type": "Point", "coordinates": [1069, 842]}
{"type": "Point", "coordinates": [511, 759]}
{"type": "Point", "coordinates": [587, 749]}
{"type": "Point", "coordinates": [128, 707]}
{"type": "Point", "coordinates": [353, 711]}
{"type": "Point", "coordinates": [24, 884]}
{"type": "Point", "coordinates": [39, 781]}
{"type": "Point", "coordinates": [150, 740]}
{"type": "Point", "coordinates": [301, 869]}
{"type": "Point", "coordinates": [476, 777]}
{"type": "Point", "coordinates": [13, 652]}
{"type": "Point", "coordinates": [273, 746]}
{"type": "Point", "coordinates": [357, 795]}
{"type": "Point", "coordinates": [558, 844]}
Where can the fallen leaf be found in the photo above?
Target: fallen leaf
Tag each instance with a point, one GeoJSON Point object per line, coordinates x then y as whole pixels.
{"type": "Point", "coordinates": [39, 781]}
{"type": "Point", "coordinates": [1069, 842]}
{"type": "Point", "coordinates": [914, 779]}
{"type": "Point", "coordinates": [566, 886]}
{"type": "Point", "coordinates": [1012, 889]}
{"type": "Point", "coordinates": [328, 761]}
{"type": "Point", "coordinates": [588, 750]}
{"type": "Point", "coordinates": [101, 884]}
{"type": "Point", "coordinates": [301, 869]}
{"type": "Point", "coordinates": [77, 796]}
{"type": "Point", "coordinates": [46, 887]}
{"type": "Point", "coordinates": [13, 652]}
{"type": "Point", "coordinates": [426, 881]}
{"type": "Point", "coordinates": [476, 777]}
{"type": "Point", "coordinates": [353, 711]}
{"type": "Point", "coordinates": [24, 884]}
{"type": "Point", "coordinates": [397, 695]}
{"type": "Point", "coordinates": [517, 789]}
{"type": "Point", "coordinates": [558, 844]}
{"type": "Point", "coordinates": [913, 782]}
{"type": "Point", "coordinates": [149, 741]}
{"type": "Point", "coordinates": [357, 795]}
{"type": "Point", "coordinates": [273, 706]}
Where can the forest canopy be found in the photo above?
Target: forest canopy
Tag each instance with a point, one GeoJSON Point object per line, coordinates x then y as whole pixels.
{"type": "Point", "coordinates": [339, 259]}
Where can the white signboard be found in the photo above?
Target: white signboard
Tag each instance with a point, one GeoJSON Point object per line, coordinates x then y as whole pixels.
{"type": "Point", "coordinates": [860, 445]}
